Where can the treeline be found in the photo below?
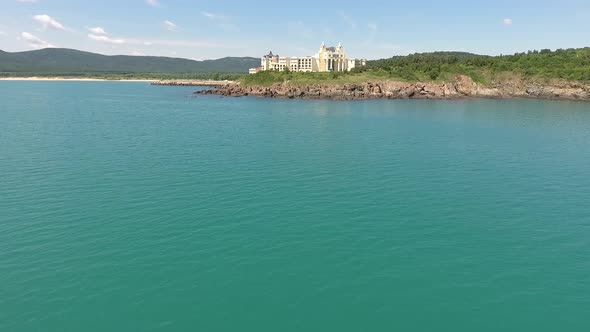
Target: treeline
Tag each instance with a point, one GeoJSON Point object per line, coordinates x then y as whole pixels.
{"type": "Point", "coordinates": [564, 64]}
{"type": "Point", "coordinates": [567, 64]}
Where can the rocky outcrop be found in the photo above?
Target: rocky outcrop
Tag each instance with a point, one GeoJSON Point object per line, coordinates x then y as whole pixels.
{"type": "Point", "coordinates": [210, 83]}
{"type": "Point", "coordinates": [461, 87]}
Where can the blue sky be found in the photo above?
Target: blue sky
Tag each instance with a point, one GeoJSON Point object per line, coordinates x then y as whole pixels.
{"type": "Point", "coordinates": [206, 29]}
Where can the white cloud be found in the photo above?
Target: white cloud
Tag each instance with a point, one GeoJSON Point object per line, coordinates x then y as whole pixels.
{"type": "Point", "coordinates": [170, 26]}
{"type": "Point", "coordinates": [157, 42]}
{"type": "Point", "coordinates": [507, 22]}
{"type": "Point", "coordinates": [98, 31]}
{"type": "Point", "coordinates": [183, 43]}
{"type": "Point", "coordinates": [211, 16]}
{"type": "Point", "coordinates": [34, 41]}
{"type": "Point", "coordinates": [106, 39]}
{"type": "Point", "coordinates": [2, 33]}
{"type": "Point", "coordinates": [137, 53]}
{"type": "Point", "coordinates": [27, 1]}
{"type": "Point", "coordinates": [153, 3]}
{"type": "Point", "coordinates": [48, 22]}
{"type": "Point", "coordinates": [99, 34]}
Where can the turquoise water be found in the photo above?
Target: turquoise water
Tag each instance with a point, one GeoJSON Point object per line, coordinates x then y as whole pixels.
{"type": "Point", "coordinates": [129, 207]}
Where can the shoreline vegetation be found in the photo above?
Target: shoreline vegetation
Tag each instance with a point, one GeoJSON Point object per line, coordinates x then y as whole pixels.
{"type": "Point", "coordinates": [546, 74]}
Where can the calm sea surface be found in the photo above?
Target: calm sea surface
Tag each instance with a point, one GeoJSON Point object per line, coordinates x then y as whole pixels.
{"type": "Point", "coordinates": [130, 207]}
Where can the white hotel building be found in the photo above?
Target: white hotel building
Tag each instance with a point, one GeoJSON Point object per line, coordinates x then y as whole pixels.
{"type": "Point", "coordinates": [328, 59]}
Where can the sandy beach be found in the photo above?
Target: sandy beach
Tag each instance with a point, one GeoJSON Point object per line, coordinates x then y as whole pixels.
{"type": "Point", "coordinates": [63, 79]}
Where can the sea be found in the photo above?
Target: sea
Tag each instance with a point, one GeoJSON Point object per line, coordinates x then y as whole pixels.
{"type": "Point", "coordinates": [131, 207]}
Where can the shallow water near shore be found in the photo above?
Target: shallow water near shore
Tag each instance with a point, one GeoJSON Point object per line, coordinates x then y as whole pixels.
{"type": "Point", "coordinates": [131, 207]}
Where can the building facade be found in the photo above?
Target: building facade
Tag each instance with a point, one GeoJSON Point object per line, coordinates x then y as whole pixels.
{"type": "Point", "coordinates": [331, 59]}
{"type": "Point", "coordinates": [328, 59]}
{"type": "Point", "coordinates": [269, 62]}
{"type": "Point", "coordinates": [302, 64]}
{"type": "Point", "coordinates": [354, 63]}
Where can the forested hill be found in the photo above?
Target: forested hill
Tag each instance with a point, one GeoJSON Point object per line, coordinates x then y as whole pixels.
{"type": "Point", "coordinates": [66, 61]}
{"type": "Point", "coordinates": [566, 64]}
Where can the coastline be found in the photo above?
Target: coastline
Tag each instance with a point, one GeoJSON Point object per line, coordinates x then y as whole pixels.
{"type": "Point", "coordinates": [460, 88]}
{"type": "Point", "coordinates": [64, 79]}
{"type": "Point", "coordinates": [168, 82]}
{"type": "Point", "coordinates": [209, 83]}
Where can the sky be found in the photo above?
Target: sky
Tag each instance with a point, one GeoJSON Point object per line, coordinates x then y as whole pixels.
{"type": "Point", "coordinates": [210, 29]}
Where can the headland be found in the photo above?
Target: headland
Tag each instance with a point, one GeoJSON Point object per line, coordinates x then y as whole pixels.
{"type": "Point", "coordinates": [330, 74]}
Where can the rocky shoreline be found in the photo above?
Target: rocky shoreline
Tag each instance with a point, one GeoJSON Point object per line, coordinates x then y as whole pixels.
{"type": "Point", "coordinates": [461, 87]}
{"type": "Point", "coordinates": [210, 83]}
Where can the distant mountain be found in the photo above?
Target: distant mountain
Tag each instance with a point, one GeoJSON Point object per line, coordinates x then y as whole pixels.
{"type": "Point", "coordinates": [61, 60]}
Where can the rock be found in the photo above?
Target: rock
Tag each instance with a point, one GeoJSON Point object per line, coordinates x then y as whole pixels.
{"type": "Point", "coordinates": [463, 86]}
